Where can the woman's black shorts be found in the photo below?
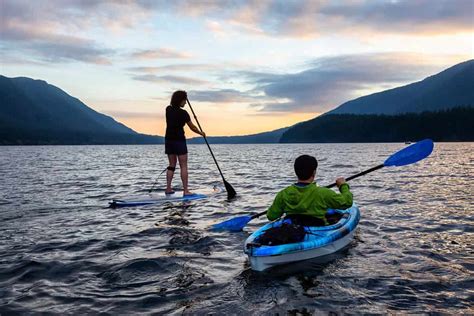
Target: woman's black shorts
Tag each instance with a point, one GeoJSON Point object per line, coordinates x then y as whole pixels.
{"type": "Point", "coordinates": [176, 147]}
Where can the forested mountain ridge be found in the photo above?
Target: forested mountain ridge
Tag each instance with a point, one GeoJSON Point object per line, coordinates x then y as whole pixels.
{"type": "Point", "coordinates": [448, 125]}
{"type": "Point", "coordinates": [450, 88]}
{"type": "Point", "coordinates": [35, 112]}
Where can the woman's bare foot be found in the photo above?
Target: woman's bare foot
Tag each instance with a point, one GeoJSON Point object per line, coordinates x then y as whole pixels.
{"type": "Point", "coordinates": [187, 193]}
{"type": "Point", "coordinates": [169, 191]}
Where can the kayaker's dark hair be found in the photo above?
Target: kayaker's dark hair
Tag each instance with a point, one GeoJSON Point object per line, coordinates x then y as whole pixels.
{"type": "Point", "coordinates": [178, 97]}
{"type": "Point", "coordinates": [305, 166]}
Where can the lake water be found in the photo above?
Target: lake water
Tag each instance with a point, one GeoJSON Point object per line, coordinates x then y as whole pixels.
{"type": "Point", "coordinates": [63, 251]}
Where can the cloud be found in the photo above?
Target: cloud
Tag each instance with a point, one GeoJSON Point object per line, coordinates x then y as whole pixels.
{"type": "Point", "coordinates": [270, 17]}
{"type": "Point", "coordinates": [310, 19]}
{"type": "Point", "coordinates": [61, 49]}
{"type": "Point", "coordinates": [10, 58]}
{"type": "Point", "coordinates": [169, 79]}
{"type": "Point", "coordinates": [160, 53]}
{"type": "Point", "coordinates": [176, 68]}
{"type": "Point", "coordinates": [128, 115]}
{"type": "Point", "coordinates": [331, 81]}
{"type": "Point", "coordinates": [64, 52]}
{"type": "Point", "coordinates": [59, 30]}
{"type": "Point", "coordinates": [223, 96]}
{"type": "Point", "coordinates": [74, 14]}
{"type": "Point", "coordinates": [406, 16]}
{"type": "Point", "coordinates": [167, 74]}
{"type": "Point", "coordinates": [326, 82]}
{"type": "Point", "coordinates": [41, 41]}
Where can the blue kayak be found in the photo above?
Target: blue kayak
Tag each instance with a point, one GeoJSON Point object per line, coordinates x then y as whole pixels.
{"type": "Point", "coordinates": [318, 241]}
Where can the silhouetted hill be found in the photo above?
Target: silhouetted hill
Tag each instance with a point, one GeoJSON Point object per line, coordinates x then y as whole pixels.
{"type": "Point", "coordinates": [439, 107]}
{"type": "Point", "coordinates": [449, 125]}
{"type": "Point", "coordinates": [261, 138]}
{"type": "Point", "coordinates": [35, 112]}
{"type": "Point", "coordinates": [450, 88]}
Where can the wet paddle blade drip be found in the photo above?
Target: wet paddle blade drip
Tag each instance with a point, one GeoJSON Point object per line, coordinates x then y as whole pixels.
{"type": "Point", "coordinates": [410, 154]}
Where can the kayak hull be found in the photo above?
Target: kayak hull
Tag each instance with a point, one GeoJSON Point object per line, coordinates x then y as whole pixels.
{"type": "Point", "coordinates": [320, 242]}
{"type": "Point", "coordinates": [264, 263]}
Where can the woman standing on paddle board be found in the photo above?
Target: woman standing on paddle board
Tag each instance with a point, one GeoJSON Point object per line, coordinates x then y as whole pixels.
{"type": "Point", "coordinates": [175, 141]}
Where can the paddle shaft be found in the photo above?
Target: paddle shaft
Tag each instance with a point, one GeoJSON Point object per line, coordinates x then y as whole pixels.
{"type": "Point", "coordinates": [358, 175]}
{"type": "Point", "coordinates": [334, 184]}
{"type": "Point", "coordinates": [157, 178]}
{"type": "Point", "coordinates": [156, 181]}
{"type": "Point", "coordinates": [207, 143]}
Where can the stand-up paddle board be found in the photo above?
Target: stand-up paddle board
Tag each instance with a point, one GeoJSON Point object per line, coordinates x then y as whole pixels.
{"type": "Point", "coordinates": [161, 197]}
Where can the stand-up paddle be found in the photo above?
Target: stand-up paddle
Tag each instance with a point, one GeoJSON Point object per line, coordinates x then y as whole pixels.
{"type": "Point", "coordinates": [158, 178]}
{"type": "Point", "coordinates": [406, 156]}
{"type": "Point", "coordinates": [156, 181]}
{"type": "Point", "coordinates": [230, 190]}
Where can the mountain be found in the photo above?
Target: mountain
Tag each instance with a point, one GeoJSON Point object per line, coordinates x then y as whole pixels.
{"type": "Point", "coordinates": [260, 138]}
{"type": "Point", "coordinates": [439, 107]}
{"type": "Point", "coordinates": [455, 124]}
{"type": "Point", "coordinates": [35, 112]}
{"type": "Point", "coordinates": [36, 104]}
{"type": "Point", "coordinates": [450, 88]}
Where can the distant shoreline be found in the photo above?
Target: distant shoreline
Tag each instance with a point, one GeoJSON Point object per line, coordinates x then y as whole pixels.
{"type": "Point", "coordinates": [217, 144]}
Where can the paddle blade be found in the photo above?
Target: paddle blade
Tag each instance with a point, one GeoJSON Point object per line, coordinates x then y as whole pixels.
{"type": "Point", "coordinates": [235, 224]}
{"type": "Point", "coordinates": [230, 190]}
{"type": "Point", "coordinates": [410, 154]}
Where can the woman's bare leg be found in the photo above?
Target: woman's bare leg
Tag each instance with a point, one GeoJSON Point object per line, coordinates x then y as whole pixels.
{"type": "Point", "coordinates": [183, 165]}
{"type": "Point", "coordinates": [169, 173]}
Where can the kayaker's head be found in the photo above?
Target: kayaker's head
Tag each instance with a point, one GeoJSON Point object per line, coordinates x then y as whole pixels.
{"type": "Point", "coordinates": [305, 168]}
{"type": "Point", "coordinates": [179, 98]}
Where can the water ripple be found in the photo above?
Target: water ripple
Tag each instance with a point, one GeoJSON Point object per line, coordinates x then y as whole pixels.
{"type": "Point", "coordinates": [63, 251]}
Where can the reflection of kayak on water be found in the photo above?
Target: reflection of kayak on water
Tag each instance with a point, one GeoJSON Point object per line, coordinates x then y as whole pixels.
{"type": "Point", "coordinates": [161, 197]}
{"type": "Point", "coordinates": [318, 241]}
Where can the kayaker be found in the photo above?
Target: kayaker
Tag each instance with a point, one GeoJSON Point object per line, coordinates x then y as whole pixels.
{"type": "Point", "coordinates": [305, 202]}
{"type": "Point", "coordinates": [175, 141]}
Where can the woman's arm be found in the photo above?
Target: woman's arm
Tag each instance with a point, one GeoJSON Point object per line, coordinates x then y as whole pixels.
{"type": "Point", "coordinates": [195, 129]}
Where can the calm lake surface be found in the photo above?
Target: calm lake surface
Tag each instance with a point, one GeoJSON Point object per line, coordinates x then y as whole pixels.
{"type": "Point", "coordinates": [63, 251]}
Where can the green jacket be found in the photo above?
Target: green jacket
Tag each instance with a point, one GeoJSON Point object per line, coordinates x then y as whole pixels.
{"type": "Point", "coordinates": [309, 200]}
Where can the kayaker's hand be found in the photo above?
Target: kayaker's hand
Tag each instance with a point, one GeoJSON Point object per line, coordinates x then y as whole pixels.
{"type": "Point", "coordinates": [340, 181]}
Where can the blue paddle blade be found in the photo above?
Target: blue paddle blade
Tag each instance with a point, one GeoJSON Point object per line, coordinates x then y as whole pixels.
{"type": "Point", "coordinates": [234, 224]}
{"type": "Point", "coordinates": [410, 154]}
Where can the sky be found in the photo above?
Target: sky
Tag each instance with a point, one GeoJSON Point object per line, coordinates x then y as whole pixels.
{"type": "Point", "coordinates": [248, 66]}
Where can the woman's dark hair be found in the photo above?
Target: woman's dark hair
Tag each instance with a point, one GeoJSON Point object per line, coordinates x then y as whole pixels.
{"type": "Point", "coordinates": [305, 166]}
{"type": "Point", "coordinates": [178, 97]}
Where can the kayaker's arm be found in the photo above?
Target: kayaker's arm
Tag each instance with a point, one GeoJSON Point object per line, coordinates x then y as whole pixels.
{"type": "Point", "coordinates": [276, 209]}
{"type": "Point", "coordinates": [342, 200]}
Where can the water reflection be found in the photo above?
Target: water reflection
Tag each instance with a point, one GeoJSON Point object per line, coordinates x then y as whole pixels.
{"type": "Point", "coordinates": [62, 249]}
